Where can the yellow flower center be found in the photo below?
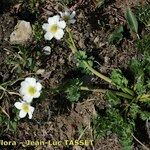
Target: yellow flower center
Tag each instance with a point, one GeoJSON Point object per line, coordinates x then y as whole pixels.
{"type": "Point", "coordinates": [54, 28]}
{"type": "Point", "coordinates": [25, 107]}
{"type": "Point", "coordinates": [32, 90]}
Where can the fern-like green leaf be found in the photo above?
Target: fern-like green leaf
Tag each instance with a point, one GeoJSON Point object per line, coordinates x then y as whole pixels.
{"type": "Point", "coordinates": [118, 79]}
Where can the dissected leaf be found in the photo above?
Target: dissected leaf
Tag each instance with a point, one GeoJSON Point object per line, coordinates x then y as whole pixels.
{"type": "Point", "coordinates": [132, 21]}
{"type": "Point", "coordinates": [118, 79]}
{"type": "Point", "coordinates": [143, 14]}
{"type": "Point", "coordinates": [112, 98]}
{"type": "Point", "coordinates": [81, 57]}
{"type": "Point", "coordinates": [134, 110]}
{"type": "Point", "coordinates": [139, 86]}
{"type": "Point", "coordinates": [136, 67]}
{"type": "Point", "coordinates": [144, 44]}
{"type": "Point", "coordinates": [72, 90]}
{"type": "Point", "coordinates": [145, 115]}
{"type": "Point", "coordinates": [114, 122]}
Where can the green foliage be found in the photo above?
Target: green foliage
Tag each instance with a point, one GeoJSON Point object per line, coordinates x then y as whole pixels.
{"type": "Point", "coordinates": [82, 57]}
{"type": "Point", "coordinates": [21, 60]}
{"type": "Point", "coordinates": [132, 21]}
{"type": "Point", "coordinates": [73, 90]}
{"type": "Point", "coordinates": [136, 67]}
{"type": "Point", "coordinates": [145, 115]}
{"type": "Point", "coordinates": [134, 110]}
{"type": "Point", "coordinates": [140, 68]}
{"type": "Point", "coordinates": [118, 79]}
{"type": "Point", "coordinates": [140, 86]}
{"type": "Point", "coordinates": [114, 122]}
{"type": "Point", "coordinates": [9, 123]}
{"type": "Point", "coordinates": [117, 35]}
{"type": "Point", "coordinates": [37, 32]}
{"type": "Point", "coordinates": [112, 98]}
{"type": "Point", "coordinates": [143, 14]}
{"type": "Point", "coordinates": [144, 44]}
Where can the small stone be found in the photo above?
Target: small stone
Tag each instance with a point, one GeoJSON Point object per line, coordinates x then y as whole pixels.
{"type": "Point", "coordinates": [96, 40]}
{"type": "Point", "coordinates": [40, 71]}
{"type": "Point", "coordinates": [22, 33]}
{"type": "Point", "coordinates": [101, 44]}
{"type": "Point", "coordinates": [47, 50]}
{"type": "Point", "coordinates": [81, 43]}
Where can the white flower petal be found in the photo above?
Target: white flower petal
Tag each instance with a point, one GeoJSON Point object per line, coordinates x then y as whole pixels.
{"type": "Point", "coordinates": [53, 19]}
{"type": "Point", "coordinates": [31, 112]}
{"type": "Point", "coordinates": [31, 109]}
{"type": "Point", "coordinates": [27, 98]}
{"type": "Point", "coordinates": [25, 109]}
{"type": "Point", "coordinates": [30, 115]}
{"type": "Point", "coordinates": [62, 24]}
{"type": "Point", "coordinates": [72, 21]}
{"type": "Point", "coordinates": [31, 81]}
{"type": "Point", "coordinates": [56, 18]}
{"type": "Point", "coordinates": [50, 20]}
{"type": "Point", "coordinates": [48, 36]}
{"type": "Point", "coordinates": [18, 105]}
{"type": "Point", "coordinates": [23, 90]}
{"type": "Point", "coordinates": [22, 114]}
{"type": "Point", "coordinates": [45, 26]}
{"type": "Point", "coordinates": [73, 14]}
{"type": "Point", "coordinates": [38, 86]}
{"type": "Point", "coordinates": [59, 34]}
{"type": "Point", "coordinates": [24, 83]}
{"type": "Point", "coordinates": [37, 94]}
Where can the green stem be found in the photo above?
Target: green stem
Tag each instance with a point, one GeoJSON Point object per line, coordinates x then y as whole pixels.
{"type": "Point", "coordinates": [97, 73]}
{"type": "Point", "coordinates": [124, 95]}
{"type": "Point", "coordinates": [72, 45]}
{"type": "Point", "coordinates": [74, 49]}
{"type": "Point", "coordinates": [84, 88]}
{"type": "Point", "coordinates": [105, 78]}
{"type": "Point", "coordinates": [143, 97]}
{"type": "Point", "coordinates": [126, 90]}
{"type": "Point", "coordinates": [105, 90]}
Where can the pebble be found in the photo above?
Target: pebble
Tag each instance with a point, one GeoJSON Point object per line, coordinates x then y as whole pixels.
{"type": "Point", "coordinates": [47, 50]}
{"type": "Point", "coordinates": [22, 33]}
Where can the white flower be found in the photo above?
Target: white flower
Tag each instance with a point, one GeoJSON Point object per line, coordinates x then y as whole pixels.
{"type": "Point", "coordinates": [54, 28]}
{"type": "Point", "coordinates": [25, 109]}
{"type": "Point", "coordinates": [47, 50]}
{"type": "Point", "coordinates": [30, 89]}
{"type": "Point", "coordinates": [68, 17]}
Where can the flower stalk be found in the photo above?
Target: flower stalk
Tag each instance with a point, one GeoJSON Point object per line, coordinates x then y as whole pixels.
{"type": "Point", "coordinates": [72, 46]}
{"type": "Point", "coordinates": [122, 94]}
{"type": "Point", "coordinates": [97, 73]}
{"type": "Point", "coordinates": [74, 50]}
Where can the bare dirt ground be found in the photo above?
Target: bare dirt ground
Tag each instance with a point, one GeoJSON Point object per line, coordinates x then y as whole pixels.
{"type": "Point", "coordinates": [55, 118]}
